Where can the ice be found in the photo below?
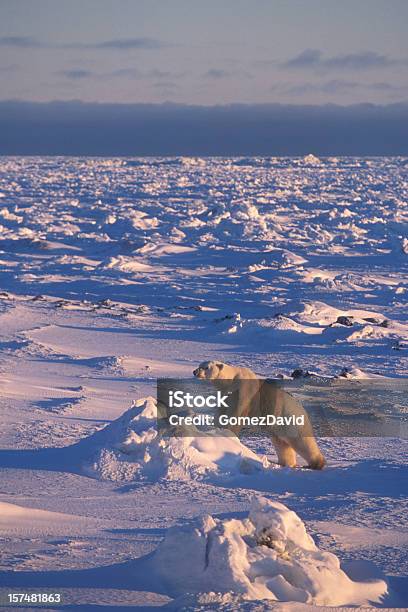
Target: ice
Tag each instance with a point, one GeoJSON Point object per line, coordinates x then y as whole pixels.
{"type": "Point", "coordinates": [114, 272]}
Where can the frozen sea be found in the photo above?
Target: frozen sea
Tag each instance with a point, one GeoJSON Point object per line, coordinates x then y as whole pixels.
{"type": "Point", "coordinates": [114, 272]}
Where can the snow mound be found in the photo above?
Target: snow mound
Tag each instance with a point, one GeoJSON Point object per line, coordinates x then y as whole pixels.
{"type": "Point", "coordinates": [230, 602]}
{"type": "Point", "coordinates": [266, 329]}
{"type": "Point", "coordinates": [158, 250]}
{"type": "Point", "coordinates": [128, 264]}
{"type": "Point", "coordinates": [320, 313]}
{"type": "Point", "coordinates": [20, 521]}
{"type": "Point", "coordinates": [311, 160]}
{"type": "Point", "coordinates": [354, 373]}
{"type": "Point", "coordinates": [131, 448]}
{"type": "Point", "coordinates": [268, 555]}
{"type": "Point", "coordinates": [289, 259]}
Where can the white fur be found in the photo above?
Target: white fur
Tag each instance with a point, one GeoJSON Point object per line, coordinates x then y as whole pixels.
{"type": "Point", "coordinates": [282, 403]}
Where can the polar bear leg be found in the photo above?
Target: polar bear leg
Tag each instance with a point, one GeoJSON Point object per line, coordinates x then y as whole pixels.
{"type": "Point", "coordinates": [308, 449]}
{"type": "Point", "coordinates": [285, 452]}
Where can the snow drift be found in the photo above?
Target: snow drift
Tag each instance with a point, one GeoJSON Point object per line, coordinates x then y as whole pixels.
{"type": "Point", "coordinates": [268, 555]}
{"type": "Point", "coordinates": [131, 448]}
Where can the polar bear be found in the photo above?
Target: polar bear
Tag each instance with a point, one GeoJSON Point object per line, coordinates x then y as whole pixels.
{"type": "Point", "coordinates": [255, 396]}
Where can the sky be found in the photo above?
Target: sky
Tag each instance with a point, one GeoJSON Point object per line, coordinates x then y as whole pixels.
{"type": "Point", "coordinates": [203, 77]}
{"type": "Point", "coordinates": [205, 52]}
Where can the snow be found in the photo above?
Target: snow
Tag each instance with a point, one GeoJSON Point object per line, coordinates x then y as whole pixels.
{"type": "Point", "coordinates": [114, 272]}
{"type": "Point", "coordinates": [269, 555]}
{"type": "Point", "coordinates": [131, 449]}
{"type": "Point", "coordinates": [28, 522]}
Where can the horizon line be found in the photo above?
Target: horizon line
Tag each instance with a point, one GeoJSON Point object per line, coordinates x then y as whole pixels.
{"type": "Point", "coordinates": [207, 106]}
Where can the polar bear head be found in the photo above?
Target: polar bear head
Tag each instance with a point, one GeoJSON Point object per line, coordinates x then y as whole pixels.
{"type": "Point", "coordinates": [210, 370]}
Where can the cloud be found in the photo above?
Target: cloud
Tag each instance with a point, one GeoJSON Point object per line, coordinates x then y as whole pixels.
{"type": "Point", "coordinates": [133, 73]}
{"type": "Point", "coordinates": [153, 74]}
{"type": "Point", "coordinates": [118, 44]}
{"type": "Point", "coordinates": [336, 86]}
{"type": "Point", "coordinates": [77, 128]}
{"type": "Point", "coordinates": [381, 86]}
{"type": "Point", "coordinates": [360, 61]}
{"type": "Point", "coordinates": [124, 44]}
{"type": "Point", "coordinates": [217, 73]}
{"type": "Point", "coordinates": [306, 59]}
{"type": "Point", "coordinates": [23, 42]}
{"type": "Point", "coordinates": [314, 59]}
{"type": "Point", "coordinates": [76, 74]}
